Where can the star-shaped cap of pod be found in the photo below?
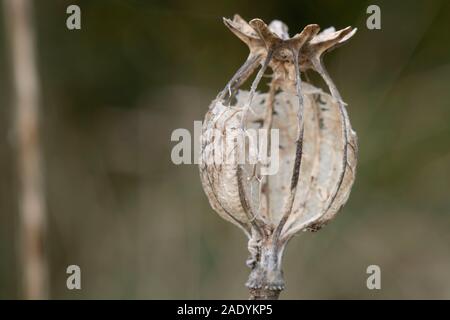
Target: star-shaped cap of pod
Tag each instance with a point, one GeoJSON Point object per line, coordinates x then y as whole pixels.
{"type": "Point", "coordinates": [276, 36]}
{"type": "Point", "coordinates": [272, 44]}
{"type": "Point", "coordinates": [267, 44]}
{"type": "Point", "coordinates": [245, 32]}
{"type": "Point", "coordinates": [273, 41]}
{"type": "Point", "coordinates": [258, 36]}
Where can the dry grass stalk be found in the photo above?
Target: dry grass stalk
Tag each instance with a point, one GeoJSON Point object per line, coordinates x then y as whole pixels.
{"type": "Point", "coordinates": [32, 218]}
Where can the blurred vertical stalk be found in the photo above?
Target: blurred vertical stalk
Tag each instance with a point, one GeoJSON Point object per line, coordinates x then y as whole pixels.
{"type": "Point", "coordinates": [32, 218]}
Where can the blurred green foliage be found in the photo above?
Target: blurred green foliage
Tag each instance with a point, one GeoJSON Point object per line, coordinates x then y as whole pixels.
{"type": "Point", "coordinates": [141, 227]}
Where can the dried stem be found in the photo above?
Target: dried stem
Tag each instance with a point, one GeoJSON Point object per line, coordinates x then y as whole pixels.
{"type": "Point", "coordinates": [255, 83]}
{"type": "Point", "coordinates": [18, 16]}
{"type": "Point", "coordinates": [240, 76]}
{"type": "Point", "coordinates": [264, 294]}
{"type": "Point", "coordinates": [298, 152]}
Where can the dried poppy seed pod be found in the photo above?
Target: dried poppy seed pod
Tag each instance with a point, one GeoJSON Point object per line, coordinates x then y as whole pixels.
{"type": "Point", "coordinates": [315, 145]}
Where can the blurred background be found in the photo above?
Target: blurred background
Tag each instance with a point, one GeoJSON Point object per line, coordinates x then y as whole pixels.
{"type": "Point", "coordinates": [141, 227]}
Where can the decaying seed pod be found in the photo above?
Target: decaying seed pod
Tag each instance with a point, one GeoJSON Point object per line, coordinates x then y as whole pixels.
{"type": "Point", "coordinates": [316, 147]}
